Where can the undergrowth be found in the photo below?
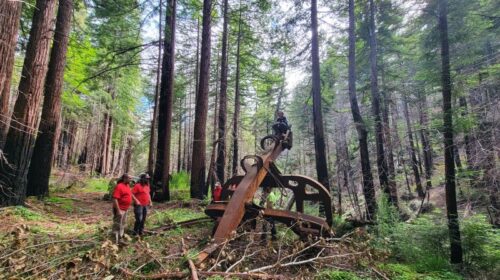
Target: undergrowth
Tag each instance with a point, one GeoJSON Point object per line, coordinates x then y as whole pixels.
{"type": "Point", "coordinates": [422, 247]}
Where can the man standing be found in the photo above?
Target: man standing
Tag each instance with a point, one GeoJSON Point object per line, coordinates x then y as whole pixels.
{"type": "Point", "coordinates": [143, 201]}
{"type": "Point", "coordinates": [122, 198]}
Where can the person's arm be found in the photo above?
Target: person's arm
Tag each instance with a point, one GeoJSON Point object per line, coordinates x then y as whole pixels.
{"type": "Point", "coordinates": [135, 190]}
{"type": "Point", "coordinates": [115, 206]}
{"type": "Point", "coordinates": [136, 201]}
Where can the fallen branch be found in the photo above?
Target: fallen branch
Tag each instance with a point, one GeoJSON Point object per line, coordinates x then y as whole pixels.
{"type": "Point", "coordinates": [192, 267]}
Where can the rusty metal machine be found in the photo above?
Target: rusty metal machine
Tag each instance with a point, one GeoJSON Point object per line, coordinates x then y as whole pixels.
{"type": "Point", "coordinates": [236, 205]}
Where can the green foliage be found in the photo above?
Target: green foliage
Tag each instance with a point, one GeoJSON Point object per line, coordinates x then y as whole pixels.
{"type": "Point", "coordinates": [173, 215]}
{"type": "Point", "coordinates": [481, 244]}
{"type": "Point", "coordinates": [64, 203]}
{"type": "Point", "coordinates": [423, 245]}
{"type": "Point", "coordinates": [97, 185]}
{"type": "Point", "coordinates": [179, 186]}
{"type": "Point", "coordinates": [336, 275]}
{"type": "Point", "coordinates": [27, 214]}
{"type": "Point", "coordinates": [398, 271]}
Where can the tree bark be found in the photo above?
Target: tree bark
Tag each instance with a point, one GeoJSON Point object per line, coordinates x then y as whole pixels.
{"type": "Point", "coordinates": [319, 138]}
{"type": "Point", "coordinates": [19, 142]}
{"type": "Point", "coordinates": [221, 146]}
{"type": "Point", "coordinates": [50, 125]}
{"type": "Point", "coordinates": [10, 13]}
{"type": "Point", "coordinates": [386, 108]}
{"type": "Point", "coordinates": [162, 166]}
{"type": "Point", "coordinates": [451, 197]}
{"type": "Point", "coordinates": [426, 146]}
{"type": "Point", "coordinates": [379, 133]}
{"type": "Point", "coordinates": [236, 115]}
{"type": "Point", "coordinates": [368, 188]}
{"type": "Point", "coordinates": [414, 161]}
{"type": "Point", "coordinates": [199, 141]}
{"type": "Point", "coordinates": [153, 138]}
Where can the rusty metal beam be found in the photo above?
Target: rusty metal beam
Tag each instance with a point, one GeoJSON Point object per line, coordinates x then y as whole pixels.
{"type": "Point", "coordinates": [242, 195]}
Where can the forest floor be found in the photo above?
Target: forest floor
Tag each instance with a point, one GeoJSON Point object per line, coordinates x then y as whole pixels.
{"type": "Point", "coordinates": [67, 235]}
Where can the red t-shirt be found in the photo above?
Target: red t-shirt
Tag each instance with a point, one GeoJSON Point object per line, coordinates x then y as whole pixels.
{"type": "Point", "coordinates": [123, 194]}
{"type": "Point", "coordinates": [217, 193]}
{"type": "Point", "coordinates": [141, 192]}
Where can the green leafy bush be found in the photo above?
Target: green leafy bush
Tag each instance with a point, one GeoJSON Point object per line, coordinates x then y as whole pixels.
{"type": "Point", "coordinates": [481, 245]}
{"type": "Point", "coordinates": [336, 275]}
{"type": "Point", "coordinates": [423, 243]}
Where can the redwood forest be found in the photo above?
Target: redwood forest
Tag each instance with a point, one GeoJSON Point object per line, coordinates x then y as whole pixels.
{"type": "Point", "coordinates": [250, 139]}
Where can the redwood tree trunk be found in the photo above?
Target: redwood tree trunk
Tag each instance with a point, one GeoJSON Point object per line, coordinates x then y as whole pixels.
{"type": "Point", "coordinates": [21, 135]}
{"type": "Point", "coordinates": [451, 196]}
{"type": "Point", "coordinates": [10, 13]}
{"type": "Point", "coordinates": [50, 125]}
{"type": "Point", "coordinates": [154, 121]}
{"type": "Point", "coordinates": [368, 188]}
{"type": "Point", "coordinates": [236, 115]}
{"type": "Point", "coordinates": [221, 147]}
{"type": "Point", "coordinates": [319, 138]}
{"type": "Point", "coordinates": [162, 167]}
{"type": "Point", "coordinates": [199, 141]}
{"type": "Point", "coordinates": [379, 133]}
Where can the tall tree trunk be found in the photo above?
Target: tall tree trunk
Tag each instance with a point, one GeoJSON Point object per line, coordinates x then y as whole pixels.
{"type": "Point", "coordinates": [236, 115]}
{"type": "Point", "coordinates": [379, 133]}
{"type": "Point", "coordinates": [21, 135]}
{"type": "Point", "coordinates": [386, 108]}
{"type": "Point", "coordinates": [451, 197]}
{"type": "Point", "coordinates": [179, 136]}
{"type": "Point", "coordinates": [199, 141]}
{"type": "Point", "coordinates": [424, 135]}
{"type": "Point", "coordinates": [162, 166]}
{"type": "Point", "coordinates": [319, 138]}
{"type": "Point", "coordinates": [104, 145]}
{"type": "Point", "coordinates": [128, 155]}
{"type": "Point", "coordinates": [368, 188]}
{"type": "Point", "coordinates": [10, 13]}
{"type": "Point", "coordinates": [153, 138]}
{"type": "Point", "coordinates": [50, 125]}
{"type": "Point", "coordinates": [414, 161]}
{"type": "Point", "coordinates": [221, 147]}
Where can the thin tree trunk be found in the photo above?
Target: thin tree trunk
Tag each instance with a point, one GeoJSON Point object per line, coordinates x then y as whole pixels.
{"type": "Point", "coordinates": [50, 125]}
{"type": "Point", "coordinates": [451, 197]}
{"type": "Point", "coordinates": [179, 143]}
{"type": "Point", "coordinates": [128, 155]}
{"type": "Point", "coordinates": [10, 13]}
{"type": "Point", "coordinates": [154, 121]}
{"type": "Point", "coordinates": [236, 115]}
{"type": "Point", "coordinates": [414, 161]}
{"type": "Point", "coordinates": [199, 141]}
{"type": "Point", "coordinates": [368, 188]}
{"type": "Point", "coordinates": [162, 166]}
{"type": "Point", "coordinates": [424, 136]}
{"type": "Point", "coordinates": [104, 154]}
{"type": "Point", "coordinates": [19, 142]}
{"type": "Point", "coordinates": [388, 139]}
{"type": "Point", "coordinates": [379, 133]}
{"type": "Point", "coordinates": [319, 138]}
{"type": "Point", "coordinates": [221, 147]}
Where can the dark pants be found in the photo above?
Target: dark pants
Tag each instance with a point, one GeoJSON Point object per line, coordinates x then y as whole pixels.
{"type": "Point", "coordinates": [140, 218]}
{"type": "Point", "coordinates": [273, 228]}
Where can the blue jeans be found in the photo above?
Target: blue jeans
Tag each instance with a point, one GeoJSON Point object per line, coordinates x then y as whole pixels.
{"type": "Point", "coordinates": [140, 213]}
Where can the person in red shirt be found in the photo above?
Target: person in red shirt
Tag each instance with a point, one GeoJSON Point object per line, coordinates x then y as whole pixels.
{"type": "Point", "coordinates": [217, 192]}
{"type": "Point", "coordinates": [122, 198]}
{"type": "Point", "coordinates": [141, 192]}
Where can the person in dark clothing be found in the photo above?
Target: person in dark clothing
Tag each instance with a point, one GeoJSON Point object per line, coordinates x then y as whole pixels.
{"type": "Point", "coordinates": [281, 125]}
{"type": "Point", "coordinates": [269, 199]}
